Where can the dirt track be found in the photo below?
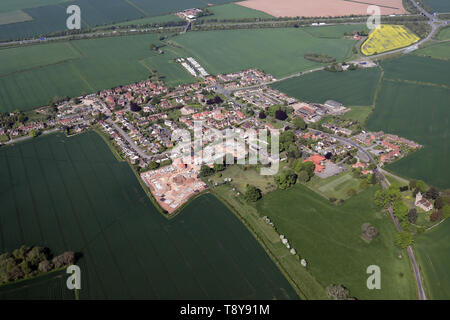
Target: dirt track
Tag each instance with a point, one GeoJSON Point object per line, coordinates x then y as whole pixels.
{"type": "Point", "coordinates": [322, 8]}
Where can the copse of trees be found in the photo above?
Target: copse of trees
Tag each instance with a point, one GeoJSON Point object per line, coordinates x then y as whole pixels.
{"type": "Point", "coordinates": [27, 262]}
{"type": "Point", "coordinates": [300, 124]}
{"type": "Point", "coordinates": [285, 180]}
{"type": "Point", "coordinates": [252, 194]}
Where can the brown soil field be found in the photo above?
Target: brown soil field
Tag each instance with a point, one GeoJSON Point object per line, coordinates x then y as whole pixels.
{"type": "Point", "coordinates": [322, 8]}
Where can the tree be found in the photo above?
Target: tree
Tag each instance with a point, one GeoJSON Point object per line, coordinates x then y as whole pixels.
{"type": "Point", "coordinates": [280, 115]}
{"type": "Point", "coordinates": [412, 215]}
{"type": "Point", "coordinates": [153, 165]}
{"type": "Point", "coordinates": [403, 239]}
{"type": "Point", "coordinates": [338, 292]}
{"type": "Point", "coordinates": [386, 197]}
{"type": "Point", "coordinates": [303, 176]}
{"type": "Point", "coordinates": [300, 123]}
{"type": "Point", "coordinates": [437, 215]}
{"type": "Point", "coordinates": [134, 107]}
{"type": "Point", "coordinates": [252, 194]}
{"type": "Point", "coordinates": [206, 171]}
{"type": "Point", "coordinates": [421, 186]}
{"type": "Point", "coordinates": [219, 167]}
{"type": "Point", "coordinates": [34, 133]}
{"type": "Point", "coordinates": [400, 210]}
{"type": "Point", "coordinates": [285, 180]}
{"type": "Point", "coordinates": [432, 193]}
{"type": "Point", "coordinates": [262, 115]}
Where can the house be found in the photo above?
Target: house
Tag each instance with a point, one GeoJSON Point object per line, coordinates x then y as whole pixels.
{"type": "Point", "coordinates": [423, 203]}
{"type": "Point", "coordinates": [318, 161]}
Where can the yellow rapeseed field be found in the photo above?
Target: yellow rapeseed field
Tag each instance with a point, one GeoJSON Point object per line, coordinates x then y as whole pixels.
{"type": "Point", "coordinates": [386, 38]}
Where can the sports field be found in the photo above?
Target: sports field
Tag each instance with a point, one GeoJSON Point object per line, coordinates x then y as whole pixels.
{"type": "Point", "coordinates": [420, 113]}
{"type": "Point", "coordinates": [387, 38]}
{"type": "Point", "coordinates": [432, 250]}
{"type": "Point", "coordinates": [355, 88]}
{"type": "Point", "coordinates": [84, 66]}
{"type": "Point", "coordinates": [438, 5]}
{"type": "Point", "coordinates": [279, 52]}
{"type": "Point", "coordinates": [329, 238]}
{"type": "Point", "coordinates": [358, 113]}
{"type": "Point", "coordinates": [438, 51]}
{"type": "Point", "coordinates": [72, 194]}
{"type": "Point", "coordinates": [336, 186]}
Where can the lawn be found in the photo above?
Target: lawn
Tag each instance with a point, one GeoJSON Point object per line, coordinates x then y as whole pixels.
{"type": "Point", "coordinates": [437, 51]}
{"type": "Point", "coordinates": [329, 238]}
{"type": "Point", "coordinates": [83, 66]}
{"type": "Point", "coordinates": [352, 88]}
{"type": "Point", "coordinates": [420, 113]}
{"type": "Point", "coordinates": [72, 194]}
{"type": "Point", "coordinates": [279, 52]}
{"type": "Point", "coordinates": [432, 249]}
{"type": "Point", "coordinates": [386, 38]}
{"type": "Point", "coordinates": [358, 113]}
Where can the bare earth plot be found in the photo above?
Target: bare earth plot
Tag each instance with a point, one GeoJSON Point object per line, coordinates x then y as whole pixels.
{"type": "Point", "coordinates": [322, 8]}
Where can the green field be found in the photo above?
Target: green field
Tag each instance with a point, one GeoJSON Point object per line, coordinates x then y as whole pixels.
{"type": "Point", "coordinates": [50, 16]}
{"type": "Point", "coordinates": [335, 186]}
{"type": "Point", "coordinates": [350, 88]}
{"type": "Point", "coordinates": [444, 34]}
{"type": "Point", "coordinates": [72, 194]}
{"type": "Point", "coordinates": [438, 51]}
{"type": "Point", "coordinates": [418, 69]}
{"type": "Point", "coordinates": [432, 250]}
{"type": "Point", "coordinates": [234, 11]}
{"type": "Point", "coordinates": [438, 5]}
{"type": "Point", "coordinates": [14, 17]}
{"type": "Point", "coordinates": [336, 32]}
{"type": "Point", "coordinates": [329, 238]}
{"type": "Point", "coordinates": [83, 66]}
{"type": "Point", "coordinates": [279, 52]}
{"type": "Point", "coordinates": [358, 113]}
{"type": "Point", "coordinates": [420, 113]}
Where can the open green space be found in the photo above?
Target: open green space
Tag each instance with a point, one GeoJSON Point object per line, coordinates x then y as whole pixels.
{"type": "Point", "coordinates": [356, 87]}
{"type": "Point", "coordinates": [437, 51]}
{"type": "Point", "coordinates": [83, 66]}
{"type": "Point", "coordinates": [419, 113]}
{"type": "Point", "coordinates": [418, 69]}
{"type": "Point", "coordinates": [329, 238]}
{"type": "Point", "coordinates": [72, 194]}
{"type": "Point", "coordinates": [438, 5]}
{"type": "Point", "coordinates": [432, 249]}
{"type": "Point", "coordinates": [279, 52]}
{"type": "Point", "coordinates": [337, 31]}
{"type": "Point", "coordinates": [233, 11]}
{"type": "Point", "coordinates": [444, 34]}
{"type": "Point", "coordinates": [336, 186]}
{"type": "Point", "coordinates": [358, 113]}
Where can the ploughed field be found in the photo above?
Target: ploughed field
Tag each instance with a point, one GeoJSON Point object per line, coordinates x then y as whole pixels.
{"type": "Point", "coordinates": [72, 194]}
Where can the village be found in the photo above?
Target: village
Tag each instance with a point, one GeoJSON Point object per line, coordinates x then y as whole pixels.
{"type": "Point", "coordinates": [141, 118]}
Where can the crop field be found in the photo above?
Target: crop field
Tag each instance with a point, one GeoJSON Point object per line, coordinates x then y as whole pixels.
{"type": "Point", "coordinates": [387, 38]}
{"type": "Point", "coordinates": [438, 51]}
{"type": "Point", "coordinates": [418, 69]}
{"type": "Point", "coordinates": [329, 238]}
{"type": "Point", "coordinates": [322, 8]}
{"type": "Point", "coordinates": [352, 88]}
{"type": "Point", "coordinates": [438, 5]}
{"type": "Point", "coordinates": [420, 113]}
{"type": "Point", "coordinates": [12, 5]}
{"type": "Point", "coordinates": [14, 17]}
{"type": "Point", "coordinates": [444, 34]}
{"type": "Point", "coordinates": [235, 50]}
{"type": "Point", "coordinates": [51, 15]}
{"type": "Point", "coordinates": [72, 194]}
{"type": "Point", "coordinates": [336, 32]}
{"type": "Point", "coordinates": [81, 66]}
{"type": "Point", "coordinates": [432, 250]}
